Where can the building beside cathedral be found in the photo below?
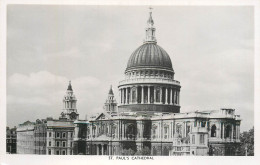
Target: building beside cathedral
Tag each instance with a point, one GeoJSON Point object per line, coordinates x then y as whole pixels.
{"type": "Point", "coordinates": [50, 136]}
{"type": "Point", "coordinates": [148, 114]}
{"type": "Point", "coordinates": [59, 140]}
{"type": "Point", "coordinates": [11, 137]}
{"type": "Point", "coordinates": [25, 138]}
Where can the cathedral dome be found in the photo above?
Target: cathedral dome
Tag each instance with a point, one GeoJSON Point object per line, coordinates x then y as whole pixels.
{"type": "Point", "coordinates": [149, 55]}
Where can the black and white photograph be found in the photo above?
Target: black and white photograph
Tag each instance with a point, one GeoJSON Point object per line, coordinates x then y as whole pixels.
{"type": "Point", "coordinates": [139, 82]}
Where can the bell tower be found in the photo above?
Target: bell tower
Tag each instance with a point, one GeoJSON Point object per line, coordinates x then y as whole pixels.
{"type": "Point", "coordinates": [110, 104]}
{"type": "Point", "coordinates": [69, 105]}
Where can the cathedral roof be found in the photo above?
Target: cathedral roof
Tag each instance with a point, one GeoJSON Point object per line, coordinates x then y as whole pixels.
{"type": "Point", "coordinates": [149, 55]}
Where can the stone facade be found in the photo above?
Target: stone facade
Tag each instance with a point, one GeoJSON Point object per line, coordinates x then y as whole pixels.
{"type": "Point", "coordinates": [11, 137]}
{"type": "Point", "coordinates": [50, 136]}
{"type": "Point", "coordinates": [148, 114]}
{"type": "Point", "coordinates": [40, 137]}
{"type": "Point", "coordinates": [25, 138]}
{"type": "Point", "coordinates": [60, 131]}
{"type": "Point", "coordinates": [59, 137]}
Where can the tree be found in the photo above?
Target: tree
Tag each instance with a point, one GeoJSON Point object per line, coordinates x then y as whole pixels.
{"type": "Point", "coordinates": [247, 142]}
{"type": "Point", "coordinates": [128, 152]}
{"type": "Point", "coordinates": [144, 151]}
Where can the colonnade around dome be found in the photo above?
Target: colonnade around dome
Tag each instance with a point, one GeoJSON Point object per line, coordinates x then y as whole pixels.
{"type": "Point", "coordinates": [149, 94]}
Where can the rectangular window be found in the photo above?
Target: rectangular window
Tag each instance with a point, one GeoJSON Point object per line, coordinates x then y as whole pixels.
{"type": "Point", "coordinates": [71, 144]}
{"type": "Point", "coordinates": [58, 134]}
{"type": "Point", "coordinates": [165, 130]}
{"type": "Point", "coordinates": [63, 144]}
{"type": "Point", "coordinates": [64, 134]}
{"type": "Point", "coordinates": [63, 152]}
{"type": "Point", "coordinates": [71, 134]}
{"type": "Point", "coordinates": [50, 143]}
{"type": "Point", "coordinates": [49, 152]}
{"type": "Point", "coordinates": [57, 152]}
{"type": "Point", "coordinates": [49, 134]}
{"type": "Point", "coordinates": [57, 144]}
{"type": "Point", "coordinates": [193, 139]}
{"type": "Point", "coordinates": [201, 139]}
{"type": "Point", "coordinates": [203, 124]}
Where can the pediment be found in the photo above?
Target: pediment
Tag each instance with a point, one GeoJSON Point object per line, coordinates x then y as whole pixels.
{"type": "Point", "coordinates": [103, 116]}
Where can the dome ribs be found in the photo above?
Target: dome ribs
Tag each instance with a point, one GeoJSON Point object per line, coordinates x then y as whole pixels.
{"type": "Point", "coordinates": [144, 56]}
{"type": "Point", "coordinates": [149, 55]}
{"type": "Point", "coordinates": [136, 59]}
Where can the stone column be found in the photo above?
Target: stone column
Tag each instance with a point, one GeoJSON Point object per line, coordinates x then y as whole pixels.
{"type": "Point", "coordinates": [154, 94]}
{"type": "Point", "coordinates": [122, 93]}
{"type": "Point", "coordinates": [136, 94]}
{"type": "Point", "coordinates": [126, 96]}
{"type": "Point", "coordinates": [178, 97]}
{"type": "Point", "coordinates": [160, 95]}
{"type": "Point", "coordinates": [166, 95]}
{"type": "Point", "coordinates": [102, 149]}
{"type": "Point", "coordinates": [232, 132]}
{"type": "Point", "coordinates": [118, 129]}
{"type": "Point", "coordinates": [171, 96]}
{"type": "Point", "coordinates": [148, 94]}
{"type": "Point", "coordinates": [174, 96]}
{"type": "Point", "coordinates": [223, 131]}
{"type": "Point", "coordinates": [130, 99]}
{"type": "Point", "coordinates": [142, 100]}
{"type": "Point", "coordinates": [97, 150]}
{"type": "Point", "coordinates": [238, 130]}
{"type": "Point", "coordinates": [141, 130]}
{"type": "Point", "coordinates": [159, 131]}
{"type": "Point", "coordinates": [120, 96]}
{"type": "Point", "coordinates": [185, 125]}
{"type": "Point", "coordinates": [123, 130]}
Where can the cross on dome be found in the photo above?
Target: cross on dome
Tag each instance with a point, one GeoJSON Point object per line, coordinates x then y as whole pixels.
{"type": "Point", "coordinates": [150, 30]}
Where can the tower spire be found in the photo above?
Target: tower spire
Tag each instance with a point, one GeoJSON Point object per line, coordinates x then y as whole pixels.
{"type": "Point", "coordinates": [111, 90]}
{"type": "Point", "coordinates": [150, 29]}
{"type": "Point", "coordinates": [70, 87]}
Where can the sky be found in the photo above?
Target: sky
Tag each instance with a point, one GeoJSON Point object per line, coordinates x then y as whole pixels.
{"type": "Point", "coordinates": [211, 48]}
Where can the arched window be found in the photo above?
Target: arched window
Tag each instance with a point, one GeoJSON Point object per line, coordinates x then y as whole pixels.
{"type": "Point", "coordinates": [166, 131]}
{"type": "Point", "coordinates": [130, 131]}
{"type": "Point", "coordinates": [213, 131]}
{"type": "Point", "coordinates": [94, 131]}
{"type": "Point", "coordinates": [154, 151]}
{"type": "Point", "coordinates": [178, 129]}
{"type": "Point", "coordinates": [165, 151]}
{"type": "Point", "coordinates": [228, 131]}
{"type": "Point", "coordinates": [88, 132]}
{"type": "Point", "coordinates": [113, 131]}
{"type": "Point", "coordinates": [133, 95]}
{"type": "Point", "coordinates": [154, 131]}
{"type": "Point", "coordinates": [158, 95]}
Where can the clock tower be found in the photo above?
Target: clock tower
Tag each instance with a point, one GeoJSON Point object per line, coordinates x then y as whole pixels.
{"type": "Point", "coordinates": [69, 105]}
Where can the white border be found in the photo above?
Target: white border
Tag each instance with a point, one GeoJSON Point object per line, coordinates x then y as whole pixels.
{"type": "Point", "coordinates": [39, 159]}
